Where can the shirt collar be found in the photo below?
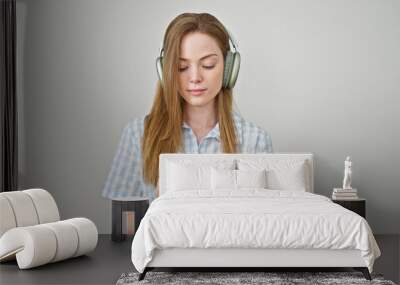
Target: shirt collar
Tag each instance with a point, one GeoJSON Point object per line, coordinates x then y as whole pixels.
{"type": "Point", "coordinates": [185, 126]}
{"type": "Point", "coordinates": [214, 133]}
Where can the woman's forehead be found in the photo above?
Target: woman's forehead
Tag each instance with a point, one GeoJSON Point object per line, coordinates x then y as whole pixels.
{"type": "Point", "coordinates": [198, 46]}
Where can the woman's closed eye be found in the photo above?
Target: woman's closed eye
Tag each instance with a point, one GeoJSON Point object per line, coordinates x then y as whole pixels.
{"type": "Point", "coordinates": [206, 67]}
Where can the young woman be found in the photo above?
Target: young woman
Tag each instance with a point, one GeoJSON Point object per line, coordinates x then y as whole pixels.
{"type": "Point", "coordinates": [192, 109]}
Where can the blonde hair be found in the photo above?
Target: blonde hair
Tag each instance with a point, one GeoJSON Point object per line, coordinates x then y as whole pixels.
{"type": "Point", "coordinates": [162, 129]}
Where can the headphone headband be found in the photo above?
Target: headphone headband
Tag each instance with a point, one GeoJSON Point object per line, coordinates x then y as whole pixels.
{"type": "Point", "coordinates": [232, 43]}
{"type": "Point", "coordinates": [232, 40]}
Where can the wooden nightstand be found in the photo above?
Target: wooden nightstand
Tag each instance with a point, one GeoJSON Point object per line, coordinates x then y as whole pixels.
{"type": "Point", "coordinates": [357, 206]}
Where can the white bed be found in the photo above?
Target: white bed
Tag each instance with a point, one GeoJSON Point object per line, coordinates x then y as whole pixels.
{"type": "Point", "coordinates": [248, 227]}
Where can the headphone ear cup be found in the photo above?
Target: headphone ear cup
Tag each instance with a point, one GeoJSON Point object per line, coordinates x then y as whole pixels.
{"type": "Point", "coordinates": [227, 68]}
{"type": "Point", "coordinates": [234, 70]}
{"type": "Point", "coordinates": [231, 69]}
{"type": "Point", "coordinates": [159, 66]}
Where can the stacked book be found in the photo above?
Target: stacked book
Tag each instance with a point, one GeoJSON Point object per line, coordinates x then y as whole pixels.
{"type": "Point", "coordinates": [344, 194]}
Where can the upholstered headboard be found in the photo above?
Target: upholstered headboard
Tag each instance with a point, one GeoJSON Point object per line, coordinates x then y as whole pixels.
{"type": "Point", "coordinates": [205, 159]}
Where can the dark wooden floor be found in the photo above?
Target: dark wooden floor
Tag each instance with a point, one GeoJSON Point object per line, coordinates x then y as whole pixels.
{"type": "Point", "coordinates": [111, 259]}
{"type": "Point", "coordinates": [102, 266]}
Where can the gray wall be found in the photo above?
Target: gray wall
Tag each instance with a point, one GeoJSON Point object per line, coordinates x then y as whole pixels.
{"type": "Point", "coordinates": [319, 76]}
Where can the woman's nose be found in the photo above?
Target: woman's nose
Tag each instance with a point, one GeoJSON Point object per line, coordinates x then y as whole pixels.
{"type": "Point", "coordinates": [195, 75]}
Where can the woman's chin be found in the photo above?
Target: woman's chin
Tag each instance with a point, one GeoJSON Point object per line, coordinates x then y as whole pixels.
{"type": "Point", "coordinates": [199, 102]}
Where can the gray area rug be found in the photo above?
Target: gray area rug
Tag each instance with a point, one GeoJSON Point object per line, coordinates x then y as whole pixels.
{"type": "Point", "coordinates": [229, 278]}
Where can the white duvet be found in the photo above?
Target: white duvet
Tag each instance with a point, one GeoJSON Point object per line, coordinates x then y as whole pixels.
{"type": "Point", "coordinates": [250, 218]}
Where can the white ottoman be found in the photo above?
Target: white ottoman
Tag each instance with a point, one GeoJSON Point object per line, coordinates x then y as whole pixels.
{"type": "Point", "coordinates": [31, 232]}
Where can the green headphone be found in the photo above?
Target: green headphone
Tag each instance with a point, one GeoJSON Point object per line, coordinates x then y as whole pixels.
{"type": "Point", "coordinates": [231, 65]}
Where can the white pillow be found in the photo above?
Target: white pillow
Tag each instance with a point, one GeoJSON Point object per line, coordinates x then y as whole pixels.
{"type": "Point", "coordinates": [188, 175]}
{"type": "Point", "coordinates": [223, 179]}
{"type": "Point", "coordinates": [282, 174]}
{"type": "Point", "coordinates": [288, 179]}
{"type": "Point", "coordinates": [236, 179]}
{"type": "Point", "coordinates": [251, 178]}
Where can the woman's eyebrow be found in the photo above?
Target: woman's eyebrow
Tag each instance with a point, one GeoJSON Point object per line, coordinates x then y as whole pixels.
{"type": "Point", "coordinates": [181, 58]}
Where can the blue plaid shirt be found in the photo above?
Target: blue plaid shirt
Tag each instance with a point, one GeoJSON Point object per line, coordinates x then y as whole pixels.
{"type": "Point", "coordinates": [125, 178]}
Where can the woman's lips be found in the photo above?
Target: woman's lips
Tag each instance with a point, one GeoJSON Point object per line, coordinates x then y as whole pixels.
{"type": "Point", "coordinates": [197, 91]}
